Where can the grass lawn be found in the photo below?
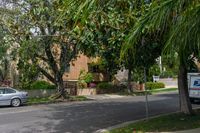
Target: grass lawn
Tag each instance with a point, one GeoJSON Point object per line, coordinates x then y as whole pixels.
{"type": "Point", "coordinates": [163, 90]}
{"type": "Point", "coordinates": [78, 98]}
{"type": "Point", "coordinates": [167, 123]}
{"type": "Point", "coordinates": [49, 100]}
{"type": "Point", "coordinates": [39, 100]}
{"type": "Point", "coordinates": [154, 91]}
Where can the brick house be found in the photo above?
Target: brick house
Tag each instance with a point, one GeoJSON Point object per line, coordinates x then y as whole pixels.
{"type": "Point", "coordinates": [82, 63]}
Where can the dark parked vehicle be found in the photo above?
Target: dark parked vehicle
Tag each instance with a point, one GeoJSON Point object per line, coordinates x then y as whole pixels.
{"type": "Point", "coordinates": [13, 97]}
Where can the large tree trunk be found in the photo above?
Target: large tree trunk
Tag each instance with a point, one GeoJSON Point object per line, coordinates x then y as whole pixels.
{"type": "Point", "coordinates": [60, 87]}
{"type": "Point", "coordinates": [185, 105]}
{"type": "Point", "coordinates": [129, 81]}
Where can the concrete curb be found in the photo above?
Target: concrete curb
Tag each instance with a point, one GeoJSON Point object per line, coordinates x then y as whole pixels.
{"type": "Point", "coordinates": [134, 121]}
{"type": "Point", "coordinates": [130, 122]}
{"type": "Point", "coordinates": [196, 130]}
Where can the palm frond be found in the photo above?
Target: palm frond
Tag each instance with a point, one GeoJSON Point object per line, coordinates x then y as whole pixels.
{"type": "Point", "coordinates": [185, 34]}
{"type": "Point", "coordinates": [154, 19]}
{"type": "Point", "coordinates": [180, 16]}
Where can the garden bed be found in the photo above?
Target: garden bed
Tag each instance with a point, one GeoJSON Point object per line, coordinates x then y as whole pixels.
{"type": "Point", "coordinates": [47, 100]}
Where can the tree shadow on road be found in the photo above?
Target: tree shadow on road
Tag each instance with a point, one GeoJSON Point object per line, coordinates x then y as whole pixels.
{"type": "Point", "coordinates": [89, 117]}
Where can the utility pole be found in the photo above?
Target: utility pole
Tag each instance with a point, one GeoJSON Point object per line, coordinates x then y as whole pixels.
{"type": "Point", "coordinates": [146, 95]}
{"type": "Point", "coordinates": [160, 64]}
{"type": "Point", "coordinates": [145, 80]}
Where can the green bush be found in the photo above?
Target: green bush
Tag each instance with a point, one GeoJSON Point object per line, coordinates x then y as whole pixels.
{"type": "Point", "coordinates": [84, 79]}
{"type": "Point", "coordinates": [85, 76]}
{"type": "Point", "coordinates": [154, 70]}
{"type": "Point", "coordinates": [42, 85]}
{"type": "Point", "coordinates": [167, 74]}
{"type": "Point", "coordinates": [105, 87]}
{"type": "Point", "coordinates": [154, 85]}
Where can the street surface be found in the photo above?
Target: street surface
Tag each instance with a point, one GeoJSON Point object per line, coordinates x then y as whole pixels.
{"type": "Point", "coordinates": [83, 117]}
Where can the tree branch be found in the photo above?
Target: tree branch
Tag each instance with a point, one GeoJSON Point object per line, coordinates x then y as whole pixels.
{"type": "Point", "coordinates": [46, 74]}
{"type": "Point", "coordinates": [51, 60]}
{"type": "Point", "coordinates": [41, 57]}
{"type": "Point", "coordinates": [63, 61]}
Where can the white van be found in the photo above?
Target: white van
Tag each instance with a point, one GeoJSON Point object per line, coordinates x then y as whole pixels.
{"type": "Point", "coordinates": [194, 86]}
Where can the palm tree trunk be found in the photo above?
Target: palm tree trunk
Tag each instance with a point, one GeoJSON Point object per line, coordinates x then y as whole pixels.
{"type": "Point", "coordinates": [185, 105]}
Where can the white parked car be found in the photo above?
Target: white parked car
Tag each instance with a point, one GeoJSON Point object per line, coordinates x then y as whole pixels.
{"type": "Point", "coordinates": [13, 97]}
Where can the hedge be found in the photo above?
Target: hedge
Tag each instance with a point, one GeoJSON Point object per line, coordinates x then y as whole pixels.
{"type": "Point", "coordinates": [154, 85]}
{"type": "Point", "coordinates": [105, 87]}
{"type": "Point", "coordinates": [41, 85]}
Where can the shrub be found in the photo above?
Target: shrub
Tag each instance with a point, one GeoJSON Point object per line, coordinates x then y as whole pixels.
{"type": "Point", "coordinates": [105, 87]}
{"type": "Point", "coordinates": [84, 78]}
{"type": "Point", "coordinates": [153, 71]}
{"type": "Point", "coordinates": [167, 74]}
{"type": "Point", "coordinates": [42, 85]}
{"type": "Point", "coordinates": [154, 85]}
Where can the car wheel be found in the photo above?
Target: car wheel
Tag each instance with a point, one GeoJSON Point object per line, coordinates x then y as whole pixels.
{"type": "Point", "coordinates": [16, 102]}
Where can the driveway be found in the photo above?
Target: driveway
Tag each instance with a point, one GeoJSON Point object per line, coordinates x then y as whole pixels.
{"type": "Point", "coordinates": [83, 117]}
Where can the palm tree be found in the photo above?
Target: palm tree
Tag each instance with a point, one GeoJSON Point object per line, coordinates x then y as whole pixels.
{"type": "Point", "coordinates": [182, 18]}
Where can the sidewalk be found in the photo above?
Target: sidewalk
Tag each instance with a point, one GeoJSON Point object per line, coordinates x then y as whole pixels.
{"type": "Point", "coordinates": [104, 96]}
{"type": "Point", "coordinates": [197, 130]}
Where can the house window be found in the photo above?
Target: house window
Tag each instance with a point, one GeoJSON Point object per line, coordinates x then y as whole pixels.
{"type": "Point", "coordinates": [67, 68]}
{"type": "Point", "coordinates": [94, 69]}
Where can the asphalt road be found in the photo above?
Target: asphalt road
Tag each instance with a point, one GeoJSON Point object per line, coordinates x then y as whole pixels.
{"type": "Point", "coordinates": [82, 117]}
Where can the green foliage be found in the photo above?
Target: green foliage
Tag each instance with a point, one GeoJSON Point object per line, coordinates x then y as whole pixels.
{"type": "Point", "coordinates": [84, 78]}
{"type": "Point", "coordinates": [27, 73]}
{"type": "Point", "coordinates": [42, 85]}
{"type": "Point", "coordinates": [138, 75]}
{"type": "Point", "coordinates": [104, 31]}
{"type": "Point", "coordinates": [104, 85]}
{"type": "Point", "coordinates": [167, 74]}
{"type": "Point", "coordinates": [154, 85]}
{"type": "Point", "coordinates": [46, 42]}
{"type": "Point", "coordinates": [78, 98]}
{"type": "Point", "coordinates": [46, 100]}
{"type": "Point", "coordinates": [154, 70]}
{"type": "Point", "coordinates": [166, 123]}
{"type": "Point", "coordinates": [178, 23]}
{"type": "Point", "coordinates": [43, 100]}
{"type": "Point", "coordinates": [170, 65]}
{"type": "Point", "coordinates": [163, 90]}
